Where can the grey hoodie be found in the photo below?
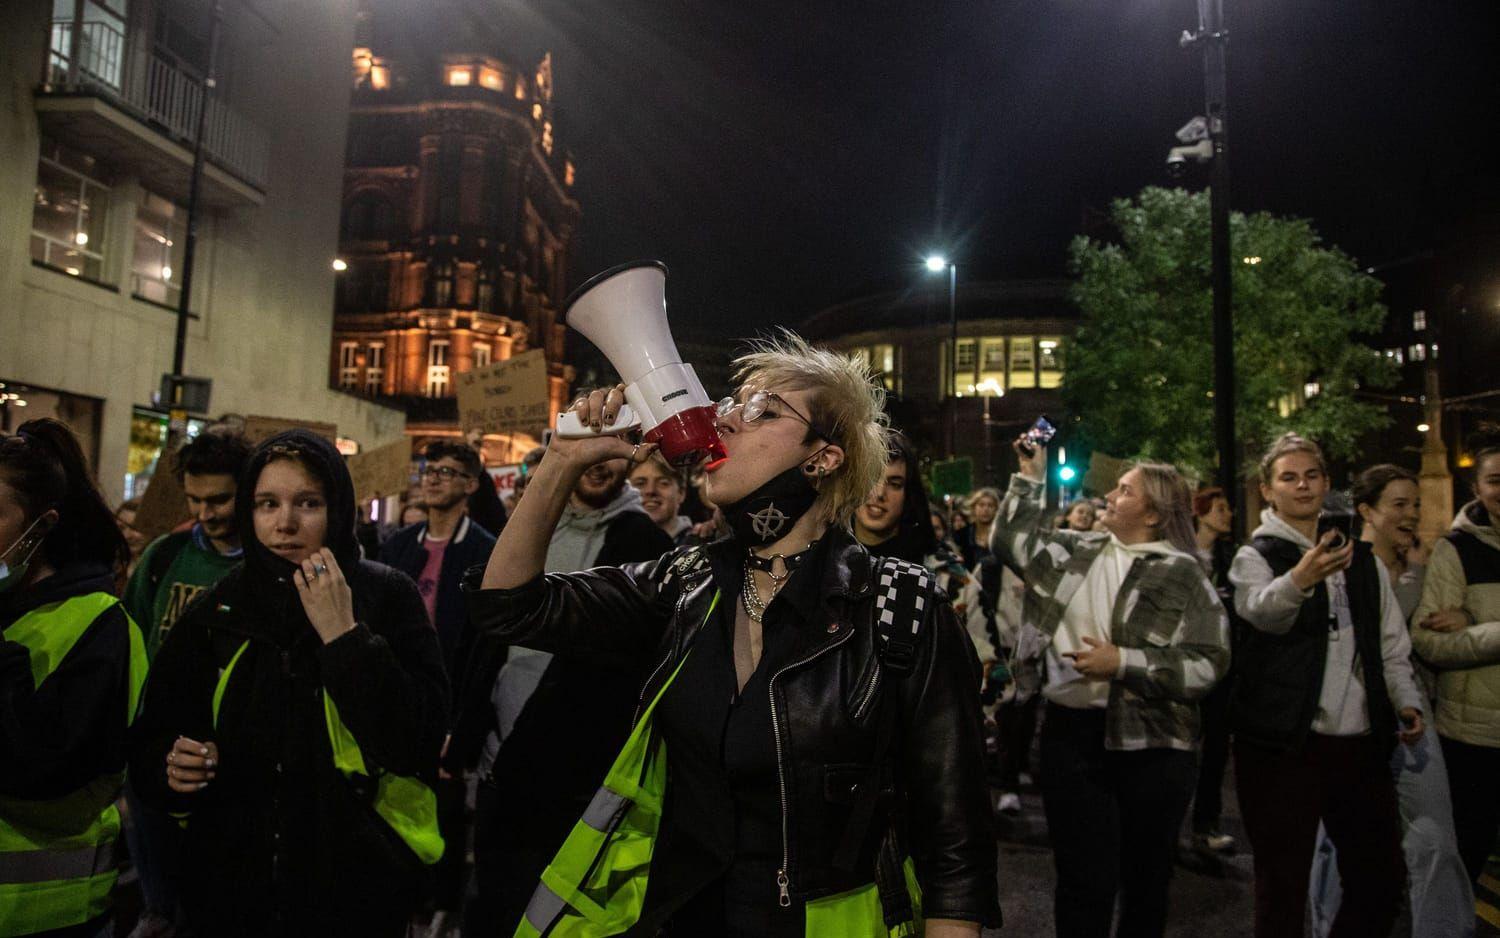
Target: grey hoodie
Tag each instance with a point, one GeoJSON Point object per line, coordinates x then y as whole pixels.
{"type": "Point", "coordinates": [576, 542]}
{"type": "Point", "coordinates": [1271, 603]}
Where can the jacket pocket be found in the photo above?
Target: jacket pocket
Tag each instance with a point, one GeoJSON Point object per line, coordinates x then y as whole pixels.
{"type": "Point", "coordinates": [844, 782]}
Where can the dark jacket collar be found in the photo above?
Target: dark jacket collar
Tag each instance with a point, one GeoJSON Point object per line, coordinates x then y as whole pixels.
{"type": "Point", "coordinates": [73, 580]}
{"type": "Point", "coordinates": [838, 566]}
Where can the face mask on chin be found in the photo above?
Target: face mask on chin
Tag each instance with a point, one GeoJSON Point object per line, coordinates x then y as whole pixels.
{"type": "Point", "coordinates": [12, 573]}
{"type": "Point", "coordinates": [768, 513]}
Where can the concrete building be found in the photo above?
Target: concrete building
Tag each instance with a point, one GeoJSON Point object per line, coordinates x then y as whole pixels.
{"type": "Point", "coordinates": [95, 158]}
{"type": "Point", "coordinates": [1011, 336]}
{"type": "Point", "coordinates": [459, 221]}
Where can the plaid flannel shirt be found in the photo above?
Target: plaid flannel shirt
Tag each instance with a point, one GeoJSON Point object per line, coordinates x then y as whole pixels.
{"type": "Point", "coordinates": [1167, 622]}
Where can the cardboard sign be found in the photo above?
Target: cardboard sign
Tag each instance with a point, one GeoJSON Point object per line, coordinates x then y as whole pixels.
{"type": "Point", "coordinates": [505, 477]}
{"type": "Point", "coordinates": [1104, 473]}
{"type": "Point", "coordinates": [164, 506]}
{"type": "Point", "coordinates": [507, 396]}
{"type": "Point", "coordinates": [385, 470]}
{"type": "Point", "coordinates": [258, 428]}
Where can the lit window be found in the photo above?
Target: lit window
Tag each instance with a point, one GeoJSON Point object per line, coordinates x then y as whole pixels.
{"type": "Point", "coordinates": [440, 284]}
{"type": "Point", "coordinates": [536, 112]}
{"type": "Point", "coordinates": [459, 75]}
{"type": "Point", "coordinates": [1022, 361]}
{"type": "Point", "coordinates": [1434, 350]}
{"type": "Point", "coordinates": [484, 292]}
{"type": "Point", "coordinates": [1311, 389]}
{"type": "Point", "coordinates": [156, 263]}
{"type": "Point", "coordinates": [437, 368]}
{"type": "Point", "coordinates": [1049, 360]}
{"type": "Point", "coordinates": [570, 175]}
{"type": "Point", "coordinates": [492, 79]}
{"type": "Point", "coordinates": [520, 88]}
{"type": "Point", "coordinates": [992, 365]}
{"type": "Point", "coordinates": [547, 137]}
{"type": "Point", "coordinates": [69, 214]}
{"type": "Point", "coordinates": [348, 365]}
{"type": "Point", "coordinates": [375, 368]}
{"type": "Point", "coordinates": [481, 354]}
{"type": "Point", "coordinates": [1419, 320]}
{"type": "Point", "coordinates": [1417, 353]}
{"type": "Point", "coordinates": [380, 77]}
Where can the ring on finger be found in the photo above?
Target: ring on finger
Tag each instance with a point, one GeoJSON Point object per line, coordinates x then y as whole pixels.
{"type": "Point", "coordinates": [320, 569]}
{"type": "Point", "coordinates": [633, 450]}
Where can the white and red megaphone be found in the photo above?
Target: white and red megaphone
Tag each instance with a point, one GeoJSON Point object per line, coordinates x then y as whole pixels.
{"type": "Point", "coordinates": [624, 312]}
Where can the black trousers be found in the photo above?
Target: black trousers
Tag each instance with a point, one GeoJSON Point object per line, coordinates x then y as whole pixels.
{"type": "Point", "coordinates": [453, 824]}
{"type": "Point", "coordinates": [1113, 818]}
{"type": "Point", "coordinates": [1474, 781]}
{"type": "Point", "coordinates": [508, 864]}
{"type": "Point", "coordinates": [1016, 723]}
{"type": "Point", "coordinates": [1208, 799]}
{"type": "Point", "coordinates": [1345, 782]}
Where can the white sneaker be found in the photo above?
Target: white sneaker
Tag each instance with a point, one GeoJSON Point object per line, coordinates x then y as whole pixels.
{"type": "Point", "coordinates": [1010, 803]}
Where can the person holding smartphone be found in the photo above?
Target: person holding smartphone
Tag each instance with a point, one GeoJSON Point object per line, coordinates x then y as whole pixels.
{"type": "Point", "coordinates": [1323, 690]}
{"type": "Point", "coordinates": [1130, 635]}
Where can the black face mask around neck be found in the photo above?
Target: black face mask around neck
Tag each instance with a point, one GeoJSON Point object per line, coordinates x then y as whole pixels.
{"type": "Point", "coordinates": [769, 512]}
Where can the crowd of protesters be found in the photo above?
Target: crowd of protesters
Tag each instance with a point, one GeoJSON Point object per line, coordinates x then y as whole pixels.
{"type": "Point", "coordinates": [293, 721]}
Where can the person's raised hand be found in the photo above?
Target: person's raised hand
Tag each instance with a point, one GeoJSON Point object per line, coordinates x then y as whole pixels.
{"type": "Point", "coordinates": [325, 595]}
{"type": "Point", "coordinates": [191, 765]}
{"type": "Point", "coordinates": [597, 410]}
{"type": "Point", "coordinates": [1322, 561]}
{"type": "Point", "coordinates": [1032, 457]}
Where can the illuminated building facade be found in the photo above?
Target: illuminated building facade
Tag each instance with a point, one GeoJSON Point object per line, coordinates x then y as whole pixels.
{"type": "Point", "coordinates": [458, 222]}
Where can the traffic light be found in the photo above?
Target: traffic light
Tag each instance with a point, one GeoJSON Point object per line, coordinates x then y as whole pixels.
{"type": "Point", "coordinates": [1066, 473]}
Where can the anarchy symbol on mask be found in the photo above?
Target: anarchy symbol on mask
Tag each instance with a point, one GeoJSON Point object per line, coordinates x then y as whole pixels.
{"type": "Point", "coordinates": [767, 522]}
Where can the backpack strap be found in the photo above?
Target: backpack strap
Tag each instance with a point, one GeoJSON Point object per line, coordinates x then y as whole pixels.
{"type": "Point", "coordinates": [162, 557]}
{"type": "Point", "coordinates": [902, 594]}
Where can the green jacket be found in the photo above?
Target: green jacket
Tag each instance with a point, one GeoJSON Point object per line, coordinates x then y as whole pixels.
{"type": "Point", "coordinates": [173, 570]}
{"type": "Point", "coordinates": [1168, 622]}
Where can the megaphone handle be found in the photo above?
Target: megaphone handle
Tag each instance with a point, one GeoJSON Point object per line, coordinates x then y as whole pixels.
{"type": "Point", "coordinates": [569, 427]}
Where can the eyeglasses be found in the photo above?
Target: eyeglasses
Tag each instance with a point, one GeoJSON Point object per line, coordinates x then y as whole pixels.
{"type": "Point", "coordinates": [446, 473]}
{"type": "Point", "coordinates": [754, 407]}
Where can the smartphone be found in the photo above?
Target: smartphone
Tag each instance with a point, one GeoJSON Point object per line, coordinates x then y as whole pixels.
{"type": "Point", "coordinates": [1337, 516]}
{"type": "Point", "coordinates": [1040, 433]}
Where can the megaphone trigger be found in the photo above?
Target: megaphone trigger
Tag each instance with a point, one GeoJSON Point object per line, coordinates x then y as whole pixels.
{"type": "Point", "coordinates": [569, 427]}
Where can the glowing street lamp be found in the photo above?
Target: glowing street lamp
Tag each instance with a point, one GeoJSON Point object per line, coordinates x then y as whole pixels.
{"type": "Point", "coordinates": [935, 264]}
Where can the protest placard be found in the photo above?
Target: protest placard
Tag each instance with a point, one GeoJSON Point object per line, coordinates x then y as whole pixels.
{"type": "Point", "coordinates": [385, 470]}
{"type": "Point", "coordinates": [1104, 473]}
{"type": "Point", "coordinates": [505, 397]}
{"type": "Point", "coordinates": [164, 505]}
{"type": "Point", "coordinates": [257, 428]}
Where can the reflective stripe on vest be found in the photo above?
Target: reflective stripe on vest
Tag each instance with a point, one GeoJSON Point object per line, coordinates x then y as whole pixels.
{"type": "Point", "coordinates": [596, 885]}
{"type": "Point", "coordinates": [406, 805]}
{"type": "Point", "coordinates": [57, 857]}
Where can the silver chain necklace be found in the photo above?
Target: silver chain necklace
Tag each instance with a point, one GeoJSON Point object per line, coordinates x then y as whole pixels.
{"type": "Point", "coordinates": [750, 599]}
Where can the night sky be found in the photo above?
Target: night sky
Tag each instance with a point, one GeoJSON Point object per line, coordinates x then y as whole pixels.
{"type": "Point", "coordinates": [782, 156]}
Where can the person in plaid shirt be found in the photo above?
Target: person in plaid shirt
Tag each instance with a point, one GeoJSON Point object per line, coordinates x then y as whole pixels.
{"type": "Point", "coordinates": [1128, 634]}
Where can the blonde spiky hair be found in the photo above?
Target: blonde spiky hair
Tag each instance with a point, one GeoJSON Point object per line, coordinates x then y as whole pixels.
{"type": "Point", "coordinates": [845, 402]}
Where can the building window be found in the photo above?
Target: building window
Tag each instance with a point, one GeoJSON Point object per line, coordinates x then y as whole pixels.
{"type": "Point", "coordinates": [437, 368]}
{"type": "Point", "coordinates": [1419, 320]}
{"type": "Point", "coordinates": [348, 365]}
{"type": "Point", "coordinates": [459, 75]}
{"type": "Point", "coordinates": [492, 79]}
{"type": "Point", "coordinates": [1022, 361]}
{"type": "Point", "coordinates": [1396, 355]}
{"type": "Point", "coordinates": [570, 173]}
{"type": "Point", "coordinates": [156, 263]}
{"type": "Point", "coordinates": [375, 368]}
{"type": "Point", "coordinates": [369, 217]}
{"type": "Point", "coordinates": [1049, 360]}
{"type": "Point", "coordinates": [481, 354]}
{"type": "Point", "coordinates": [69, 214]}
{"type": "Point", "coordinates": [484, 290]}
{"type": "Point", "coordinates": [1418, 352]}
{"type": "Point", "coordinates": [450, 182]}
{"type": "Point", "coordinates": [440, 284]}
{"type": "Point", "coordinates": [520, 87]}
{"type": "Point", "coordinates": [547, 137]}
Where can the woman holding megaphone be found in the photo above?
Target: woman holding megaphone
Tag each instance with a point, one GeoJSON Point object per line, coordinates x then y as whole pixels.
{"type": "Point", "coordinates": [807, 757]}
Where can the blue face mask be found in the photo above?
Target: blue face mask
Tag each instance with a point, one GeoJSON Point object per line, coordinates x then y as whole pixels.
{"type": "Point", "coordinates": [13, 568]}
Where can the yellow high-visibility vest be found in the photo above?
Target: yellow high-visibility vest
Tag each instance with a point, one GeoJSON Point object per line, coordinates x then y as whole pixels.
{"type": "Point", "coordinates": [57, 857]}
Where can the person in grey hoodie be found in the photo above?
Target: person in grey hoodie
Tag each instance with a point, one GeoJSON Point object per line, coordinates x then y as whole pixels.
{"type": "Point", "coordinates": [1323, 674]}
{"type": "Point", "coordinates": [545, 728]}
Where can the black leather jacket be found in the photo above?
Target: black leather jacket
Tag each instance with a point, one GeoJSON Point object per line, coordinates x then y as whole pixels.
{"type": "Point", "coordinates": [825, 703]}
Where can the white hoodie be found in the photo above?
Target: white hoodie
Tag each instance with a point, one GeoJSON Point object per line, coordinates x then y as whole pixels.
{"type": "Point", "coordinates": [1271, 603]}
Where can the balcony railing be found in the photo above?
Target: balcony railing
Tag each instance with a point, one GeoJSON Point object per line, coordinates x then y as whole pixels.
{"type": "Point", "coordinates": [155, 91]}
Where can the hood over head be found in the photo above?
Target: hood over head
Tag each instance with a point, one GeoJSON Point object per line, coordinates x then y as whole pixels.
{"type": "Point", "coordinates": [319, 457]}
{"type": "Point", "coordinates": [1475, 519]}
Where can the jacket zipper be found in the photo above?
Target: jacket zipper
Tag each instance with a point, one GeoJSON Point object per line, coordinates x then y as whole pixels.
{"type": "Point", "coordinates": [869, 695]}
{"type": "Point", "coordinates": [783, 881]}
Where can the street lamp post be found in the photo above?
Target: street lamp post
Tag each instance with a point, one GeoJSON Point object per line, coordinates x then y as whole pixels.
{"type": "Point", "coordinates": [936, 263]}
{"type": "Point", "coordinates": [1214, 38]}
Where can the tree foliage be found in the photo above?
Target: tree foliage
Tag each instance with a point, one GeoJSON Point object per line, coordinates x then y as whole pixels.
{"type": "Point", "coordinates": [1139, 373]}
